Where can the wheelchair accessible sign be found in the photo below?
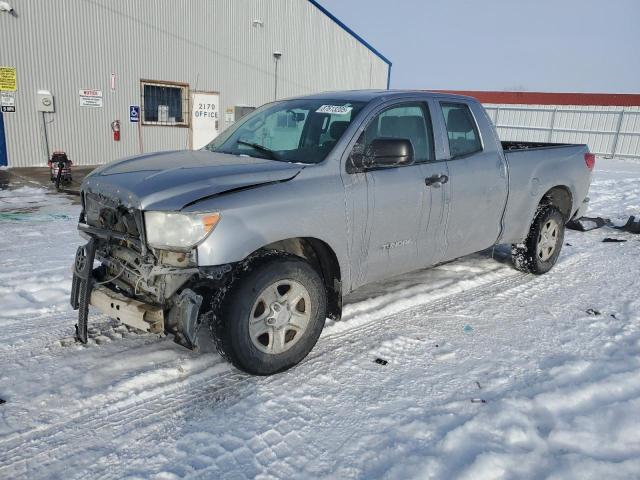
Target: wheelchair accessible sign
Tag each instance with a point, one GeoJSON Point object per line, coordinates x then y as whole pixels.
{"type": "Point", "coordinates": [134, 113]}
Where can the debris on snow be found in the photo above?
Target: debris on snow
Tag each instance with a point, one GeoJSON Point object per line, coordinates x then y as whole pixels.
{"type": "Point", "coordinates": [584, 224]}
{"type": "Point", "coordinates": [381, 361]}
{"type": "Point", "coordinates": [632, 225]}
{"type": "Point", "coordinates": [613, 240]}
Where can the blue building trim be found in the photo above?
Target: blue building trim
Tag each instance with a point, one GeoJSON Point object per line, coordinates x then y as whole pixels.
{"type": "Point", "coordinates": [4, 161]}
{"type": "Point", "coordinates": [356, 36]}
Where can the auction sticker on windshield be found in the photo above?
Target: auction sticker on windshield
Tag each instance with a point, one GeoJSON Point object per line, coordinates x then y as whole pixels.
{"type": "Point", "coordinates": [334, 109]}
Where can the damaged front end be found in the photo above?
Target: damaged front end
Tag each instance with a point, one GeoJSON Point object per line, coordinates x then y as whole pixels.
{"type": "Point", "coordinates": [153, 290]}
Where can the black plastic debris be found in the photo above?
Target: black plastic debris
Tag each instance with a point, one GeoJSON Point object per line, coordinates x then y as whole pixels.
{"type": "Point", "coordinates": [381, 361]}
{"type": "Point", "coordinates": [2, 401]}
{"type": "Point", "coordinates": [591, 311]}
{"type": "Point", "coordinates": [632, 225]}
{"type": "Point", "coordinates": [478, 400]}
{"type": "Point", "coordinates": [613, 240]}
{"type": "Point", "coordinates": [478, 384]}
{"type": "Point", "coordinates": [584, 224]}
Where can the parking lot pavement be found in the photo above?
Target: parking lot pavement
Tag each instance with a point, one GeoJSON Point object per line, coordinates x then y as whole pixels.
{"type": "Point", "coordinates": [39, 176]}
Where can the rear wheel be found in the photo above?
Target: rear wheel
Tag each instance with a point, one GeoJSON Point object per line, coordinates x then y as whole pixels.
{"type": "Point", "coordinates": [272, 314]}
{"type": "Point", "coordinates": [541, 249]}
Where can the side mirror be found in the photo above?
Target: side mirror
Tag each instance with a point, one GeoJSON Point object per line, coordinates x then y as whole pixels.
{"type": "Point", "coordinates": [383, 152]}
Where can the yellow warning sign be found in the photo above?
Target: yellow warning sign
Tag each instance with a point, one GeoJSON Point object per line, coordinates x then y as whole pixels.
{"type": "Point", "coordinates": [8, 81]}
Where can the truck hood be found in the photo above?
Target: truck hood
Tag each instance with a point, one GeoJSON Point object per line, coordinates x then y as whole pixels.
{"type": "Point", "coordinates": [170, 181]}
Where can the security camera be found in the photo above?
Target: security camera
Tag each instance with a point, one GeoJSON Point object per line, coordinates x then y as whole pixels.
{"type": "Point", "coordinates": [277, 55]}
{"type": "Point", "coordinates": [6, 7]}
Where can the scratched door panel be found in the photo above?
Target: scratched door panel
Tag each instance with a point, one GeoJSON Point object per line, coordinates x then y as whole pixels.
{"type": "Point", "coordinates": [396, 203]}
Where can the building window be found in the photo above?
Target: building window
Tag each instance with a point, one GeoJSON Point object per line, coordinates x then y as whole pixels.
{"type": "Point", "coordinates": [164, 103]}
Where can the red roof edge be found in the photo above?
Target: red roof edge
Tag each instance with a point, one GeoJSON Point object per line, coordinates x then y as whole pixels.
{"type": "Point", "coordinates": [548, 98]}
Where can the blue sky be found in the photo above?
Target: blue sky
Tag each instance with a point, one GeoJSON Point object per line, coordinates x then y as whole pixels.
{"type": "Point", "coordinates": [536, 45]}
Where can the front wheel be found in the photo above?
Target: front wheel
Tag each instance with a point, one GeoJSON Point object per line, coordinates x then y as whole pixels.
{"type": "Point", "coordinates": [541, 249]}
{"type": "Point", "coordinates": [272, 314]}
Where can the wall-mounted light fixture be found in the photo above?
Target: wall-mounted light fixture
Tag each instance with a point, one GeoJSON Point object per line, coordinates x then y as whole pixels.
{"type": "Point", "coordinates": [6, 7]}
{"type": "Point", "coordinates": [277, 55]}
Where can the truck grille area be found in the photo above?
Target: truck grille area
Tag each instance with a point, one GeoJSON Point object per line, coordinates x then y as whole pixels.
{"type": "Point", "coordinates": [103, 212]}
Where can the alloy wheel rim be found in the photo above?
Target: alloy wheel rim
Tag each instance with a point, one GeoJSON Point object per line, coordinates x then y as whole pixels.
{"type": "Point", "coordinates": [548, 240]}
{"type": "Point", "coordinates": [280, 316]}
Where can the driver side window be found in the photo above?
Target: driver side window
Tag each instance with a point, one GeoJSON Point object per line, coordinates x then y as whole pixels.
{"type": "Point", "coordinates": [410, 121]}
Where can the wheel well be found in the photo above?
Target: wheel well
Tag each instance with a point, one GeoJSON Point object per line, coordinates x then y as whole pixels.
{"type": "Point", "coordinates": [559, 197]}
{"type": "Point", "coordinates": [323, 259]}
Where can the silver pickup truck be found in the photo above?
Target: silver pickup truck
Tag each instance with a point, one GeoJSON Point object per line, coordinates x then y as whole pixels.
{"type": "Point", "coordinates": [259, 235]}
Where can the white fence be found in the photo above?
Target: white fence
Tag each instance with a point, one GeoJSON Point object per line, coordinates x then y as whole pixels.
{"type": "Point", "coordinates": [609, 131]}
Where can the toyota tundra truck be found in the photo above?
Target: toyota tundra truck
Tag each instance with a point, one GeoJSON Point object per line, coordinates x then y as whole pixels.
{"type": "Point", "coordinates": [258, 236]}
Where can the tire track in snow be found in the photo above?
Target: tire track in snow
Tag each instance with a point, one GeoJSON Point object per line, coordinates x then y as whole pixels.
{"type": "Point", "coordinates": [55, 442]}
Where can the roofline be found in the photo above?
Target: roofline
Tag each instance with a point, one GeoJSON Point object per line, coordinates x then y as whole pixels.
{"type": "Point", "coordinates": [551, 98]}
{"type": "Point", "coordinates": [354, 35]}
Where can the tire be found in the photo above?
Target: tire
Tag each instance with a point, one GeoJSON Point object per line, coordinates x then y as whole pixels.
{"type": "Point", "coordinates": [543, 244]}
{"type": "Point", "coordinates": [254, 327]}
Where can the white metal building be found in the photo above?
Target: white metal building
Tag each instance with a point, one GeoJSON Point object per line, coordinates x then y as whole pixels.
{"type": "Point", "coordinates": [71, 70]}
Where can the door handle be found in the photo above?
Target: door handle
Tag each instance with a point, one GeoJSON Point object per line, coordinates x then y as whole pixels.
{"type": "Point", "coordinates": [436, 180]}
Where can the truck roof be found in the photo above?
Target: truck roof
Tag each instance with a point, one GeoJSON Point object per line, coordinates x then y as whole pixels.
{"type": "Point", "coordinates": [368, 95]}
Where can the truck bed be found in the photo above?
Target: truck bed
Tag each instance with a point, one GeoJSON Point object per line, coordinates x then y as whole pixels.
{"type": "Point", "coordinates": [534, 168]}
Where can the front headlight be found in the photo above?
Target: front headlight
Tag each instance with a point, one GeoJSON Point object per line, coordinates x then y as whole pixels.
{"type": "Point", "coordinates": [183, 231]}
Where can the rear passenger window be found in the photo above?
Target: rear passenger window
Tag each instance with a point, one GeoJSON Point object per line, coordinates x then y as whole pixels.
{"type": "Point", "coordinates": [461, 129]}
{"type": "Point", "coordinates": [409, 121]}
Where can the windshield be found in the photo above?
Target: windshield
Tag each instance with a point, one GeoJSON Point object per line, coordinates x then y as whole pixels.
{"type": "Point", "coordinates": [301, 130]}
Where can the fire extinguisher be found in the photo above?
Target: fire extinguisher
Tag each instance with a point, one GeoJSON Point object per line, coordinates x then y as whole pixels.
{"type": "Point", "coordinates": [115, 126]}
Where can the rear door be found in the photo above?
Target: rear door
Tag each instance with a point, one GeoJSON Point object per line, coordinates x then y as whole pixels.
{"type": "Point", "coordinates": [477, 180]}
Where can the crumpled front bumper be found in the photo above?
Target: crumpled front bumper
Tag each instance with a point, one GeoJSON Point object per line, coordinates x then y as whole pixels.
{"type": "Point", "coordinates": [182, 316]}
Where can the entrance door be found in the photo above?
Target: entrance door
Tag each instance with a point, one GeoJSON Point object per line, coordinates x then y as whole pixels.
{"type": "Point", "coordinates": [205, 118]}
{"type": "Point", "coordinates": [4, 161]}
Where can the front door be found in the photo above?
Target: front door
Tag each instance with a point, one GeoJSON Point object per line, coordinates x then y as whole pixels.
{"type": "Point", "coordinates": [400, 210]}
{"type": "Point", "coordinates": [205, 118]}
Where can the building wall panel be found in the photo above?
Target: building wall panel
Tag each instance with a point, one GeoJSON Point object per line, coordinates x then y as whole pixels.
{"type": "Point", "coordinates": [209, 44]}
{"type": "Point", "coordinates": [608, 130]}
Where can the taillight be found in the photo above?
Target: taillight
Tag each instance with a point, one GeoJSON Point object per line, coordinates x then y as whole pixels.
{"type": "Point", "coordinates": [590, 160]}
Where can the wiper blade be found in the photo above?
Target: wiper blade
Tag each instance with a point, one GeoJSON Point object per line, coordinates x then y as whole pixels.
{"type": "Point", "coordinates": [261, 148]}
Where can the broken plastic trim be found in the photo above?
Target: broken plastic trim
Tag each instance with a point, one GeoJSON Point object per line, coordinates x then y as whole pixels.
{"type": "Point", "coordinates": [185, 317]}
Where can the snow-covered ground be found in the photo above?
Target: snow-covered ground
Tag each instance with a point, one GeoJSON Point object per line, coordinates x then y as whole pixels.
{"type": "Point", "coordinates": [491, 373]}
